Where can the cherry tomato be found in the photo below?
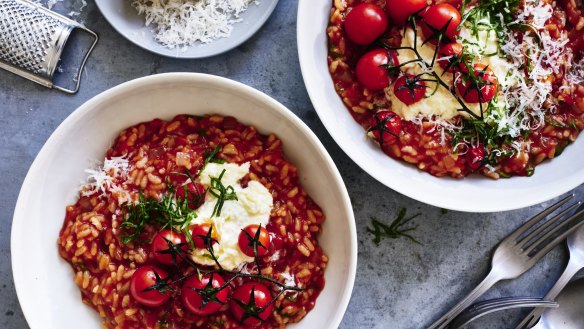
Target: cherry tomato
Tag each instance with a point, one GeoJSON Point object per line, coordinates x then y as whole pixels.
{"type": "Point", "coordinates": [194, 193]}
{"type": "Point", "coordinates": [365, 23]}
{"type": "Point", "coordinates": [475, 157]}
{"type": "Point", "coordinates": [454, 3]}
{"type": "Point", "coordinates": [160, 246]}
{"type": "Point", "coordinates": [436, 18]}
{"type": "Point", "coordinates": [246, 244]}
{"type": "Point", "coordinates": [195, 289]}
{"type": "Point", "coordinates": [385, 127]}
{"type": "Point", "coordinates": [400, 10]}
{"type": "Point", "coordinates": [449, 56]}
{"type": "Point", "coordinates": [480, 89]}
{"type": "Point", "coordinates": [409, 89]}
{"type": "Point", "coordinates": [251, 303]}
{"type": "Point", "coordinates": [370, 74]}
{"type": "Point", "coordinates": [144, 278]}
{"type": "Point", "coordinates": [200, 232]}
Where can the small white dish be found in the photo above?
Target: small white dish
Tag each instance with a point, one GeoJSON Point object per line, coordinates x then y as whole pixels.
{"type": "Point", "coordinates": [125, 19]}
{"type": "Point", "coordinates": [472, 194]}
{"type": "Point", "coordinates": [44, 281]}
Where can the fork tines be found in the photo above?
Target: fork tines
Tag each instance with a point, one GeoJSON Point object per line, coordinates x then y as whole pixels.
{"type": "Point", "coordinates": [537, 235]}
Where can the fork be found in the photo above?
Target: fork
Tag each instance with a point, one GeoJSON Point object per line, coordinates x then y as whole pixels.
{"type": "Point", "coordinates": [519, 251]}
{"type": "Point", "coordinates": [495, 305]}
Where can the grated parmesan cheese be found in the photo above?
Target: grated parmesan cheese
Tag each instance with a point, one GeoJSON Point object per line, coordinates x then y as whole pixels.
{"type": "Point", "coordinates": [575, 75]}
{"type": "Point", "coordinates": [182, 23]}
{"type": "Point", "coordinates": [289, 279]}
{"type": "Point", "coordinates": [104, 178]}
{"type": "Point", "coordinates": [529, 97]}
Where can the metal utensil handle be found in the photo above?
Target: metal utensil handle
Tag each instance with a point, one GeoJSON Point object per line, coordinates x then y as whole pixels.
{"type": "Point", "coordinates": [77, 77]}
{"type": "Point", "coordinates": [492, 278]}
{"type": "Point", "coordinates": [472, 314]}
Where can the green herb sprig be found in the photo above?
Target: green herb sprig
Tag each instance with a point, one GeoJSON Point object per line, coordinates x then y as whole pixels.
{"type": "Point", "coordinates": [394, 230]}
{"type": "Point", "coordinates": [500, 14]}
{"type": "Point", "coordinates": [222, 193]}
{"type": "Point", "coordinates": [210, 158]}
{"type": "Point", "coordinates": [166, 212]}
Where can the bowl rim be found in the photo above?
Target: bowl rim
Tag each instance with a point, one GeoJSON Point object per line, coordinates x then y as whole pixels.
{"type": "Point", "coordinates": [315, 73]}
{"type": "Point", "coordinates": [144, 82]}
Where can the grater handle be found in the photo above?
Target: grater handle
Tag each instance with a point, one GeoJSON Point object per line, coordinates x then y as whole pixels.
{"type": "Point", "coordinates": [82, 66]}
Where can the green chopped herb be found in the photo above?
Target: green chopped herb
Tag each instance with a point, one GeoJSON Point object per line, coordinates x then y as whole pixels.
{"type": "Point", "coordinates": [393, 230]}
{"type": "Point", "coordinates": [210, 158]}
{"type": "Point", "coordinates": [175, 215]}
{"type": "Point", "coordinates": [222, 193]}
{"type": "Point", "coordinates": [335, 54]}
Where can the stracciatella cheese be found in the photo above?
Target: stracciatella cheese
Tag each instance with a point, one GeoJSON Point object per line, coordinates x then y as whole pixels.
{"type": "Point", "coordinates": [253, 206]}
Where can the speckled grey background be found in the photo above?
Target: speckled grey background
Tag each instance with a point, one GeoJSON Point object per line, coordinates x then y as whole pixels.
{"type": "Point", "coordinates": [399, 284]}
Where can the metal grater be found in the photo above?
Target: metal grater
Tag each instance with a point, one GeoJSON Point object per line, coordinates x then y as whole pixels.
{"type": "Point", "coordinates": [32, 39]}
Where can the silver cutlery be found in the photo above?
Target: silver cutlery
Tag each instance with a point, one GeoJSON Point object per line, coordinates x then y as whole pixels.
{"type": "Point", "coordinates": [576, 263]}
{"type": "Point", "coordinates": [486, 307]}
{"type": "Point", "coordinates": [568, 315]}
{"type": "Point", "coordinates": [518, 252]}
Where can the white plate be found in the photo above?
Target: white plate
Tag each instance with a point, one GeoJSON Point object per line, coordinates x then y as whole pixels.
{"type": "Point", "coordinates": [44, 282]}
{"type": "Point", "coordinates": [473, 194]}
{"type": "Point", "coordinates": [125, 19]}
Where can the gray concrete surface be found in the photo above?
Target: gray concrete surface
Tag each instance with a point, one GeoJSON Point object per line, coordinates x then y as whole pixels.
{"type": "Point", "coordinates": [399, 284]}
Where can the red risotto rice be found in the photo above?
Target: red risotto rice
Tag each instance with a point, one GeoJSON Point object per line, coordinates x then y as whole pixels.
{"type": "Point", "coordinates": [513, 73]}
{"type": "Point", "coordinates": [144, 163]}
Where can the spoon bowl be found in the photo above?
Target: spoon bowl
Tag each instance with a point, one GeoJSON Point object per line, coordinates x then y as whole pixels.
{"type": "Point", "coordinates": [570, 314]}
{"type": "Point", "coordinates": [575, 243]}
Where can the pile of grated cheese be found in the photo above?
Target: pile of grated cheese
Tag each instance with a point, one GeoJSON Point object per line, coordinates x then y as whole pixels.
{"type": "Point", "coordinates": [104, 178]}
{"type": "Point", "coordinates": [182, 23]}
{"type": "Point", "coordinates": [530, 96]}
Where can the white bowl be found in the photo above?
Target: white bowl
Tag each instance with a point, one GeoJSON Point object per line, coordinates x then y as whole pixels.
{"type": "Point", "coordinates": [473, 194]}
{"type": "Point", "coordinates": [44, 282]}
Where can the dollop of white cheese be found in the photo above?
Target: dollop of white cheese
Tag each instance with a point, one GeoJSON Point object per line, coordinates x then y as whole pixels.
{"type": "Point", "coordinates": [253, 206]}
{"type": "Point", "coordinates": [439, 101]}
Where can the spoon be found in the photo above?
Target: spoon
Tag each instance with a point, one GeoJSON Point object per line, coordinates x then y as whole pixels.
{"type": "Point", "coordinates": [570, 314]}
{"type": "Point", "coordinates": [576, 247]}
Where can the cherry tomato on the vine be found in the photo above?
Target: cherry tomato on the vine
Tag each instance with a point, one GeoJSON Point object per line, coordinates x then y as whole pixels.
{"type": "Point", "coordinates": [385, 127]}
{"type": "Point", "coordinates": [400, 10]}
{"type": "Point", "coordinates": [200, 297]}
{"type": "Point", "coordinates": [475, 156]}
{"type": "Point", "coordinates": [409, 89]}
{"type": "Point", "coordinates": [449, 57]}
{"type": "Point", "coordinates": [193, 193]}
{"type": "Point", "coordinates": [201, 237]}
{"type": "Point", "coordinates": [438, 16]}
{"type": "Point", "coordinates": [478, 89]}
{"type": "Point", "coordinates": [145, 278]}
{"type": "Point", "coordinates": [368, 70]}
{"type": "Point", "coordinates": [161, 249]}
{"type": "Point", "coordinates": [262, 239]}
{"type": "Point", "coordinates": [365, 23]}
{"type": "Point", "coordinates": [248, 300]}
